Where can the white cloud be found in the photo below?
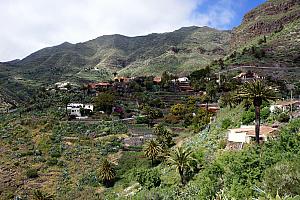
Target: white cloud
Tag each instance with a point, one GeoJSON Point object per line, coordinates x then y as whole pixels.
{"type": "Point", "coordinates": [33, 24]}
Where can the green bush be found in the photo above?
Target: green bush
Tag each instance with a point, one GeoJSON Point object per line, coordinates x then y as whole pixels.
{"type": "Point", "coordinates": [52, 161]}
{"type": "Point", "coordinates": [142, 120]}
{"type": "Point", "coordinates": [265, 113]}
{"type": "Point", "coordinates": [283, 117]}
{"type": "Point", "coordinates": [172, 119]}
{"type": "Point", "coordinates": [90, 179]}
{"type": "Point", "coordinates": [248, 117]}
{"type": "Point", "coordinates": [148, 178]}
{"type": "Point", "coordinates": [226, 123]}
{"type": "Point", "coordinates": [31, 173]}
{"type": "Point", "coordinates": [283, 178]}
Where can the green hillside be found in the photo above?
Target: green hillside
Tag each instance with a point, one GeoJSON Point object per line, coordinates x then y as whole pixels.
{"type": "Point", "coordinates": [180, 52]}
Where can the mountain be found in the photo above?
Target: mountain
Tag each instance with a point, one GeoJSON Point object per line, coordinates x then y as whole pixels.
{"type": "Point", "coordinates": [269, 36]}
{"type": "Point", "coordinates": [179, 52]}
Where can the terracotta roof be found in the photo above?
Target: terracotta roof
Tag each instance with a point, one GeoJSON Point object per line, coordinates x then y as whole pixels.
{"type": "Point", "coordinates": [94, 85]}
{"type": "Point", "coordinates": [286, 103]}
{"type": "Point", "coordinates": [250, 131]}
{"type": "Point", "coordinates": [264, 130]}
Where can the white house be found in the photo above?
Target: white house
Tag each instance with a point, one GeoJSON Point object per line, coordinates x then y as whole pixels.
{"type": "Point", "coordinates": [284, 106]}
{"type": "Point", "coordinates": [62, 85]}
{"type": "Point", "coordinates": [181, 80]}
{"type": "Point", "coordinates": [246, 134]}
{"type": "Point", "coordinates": [74, 108]}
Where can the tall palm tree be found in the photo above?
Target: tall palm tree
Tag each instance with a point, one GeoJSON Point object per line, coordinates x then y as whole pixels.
{"type": "Point", "coordinates": [152, 149]}
{"type": "Point", "coordinates": [257, 92]}
{"type": "Point", "coordinates": [107, 172]}
{"type": "Point", "coordinates": [182, 159]}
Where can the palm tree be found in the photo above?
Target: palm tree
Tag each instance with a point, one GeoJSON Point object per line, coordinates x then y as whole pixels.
{"type": "Point", "coordinates": [182, 159]}
{"type": "Point", "coordinates": [257, 92]}
{"type": "Point", "coordinates": [152, 149]}
{"type": "Point", "coordinates": [107, 172]}
{"type": "Point", "coordinates": [228, 99]}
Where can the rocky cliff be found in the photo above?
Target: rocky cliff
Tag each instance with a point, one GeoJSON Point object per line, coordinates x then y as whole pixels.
{"type": "Point", "coordinates": [268, 18]}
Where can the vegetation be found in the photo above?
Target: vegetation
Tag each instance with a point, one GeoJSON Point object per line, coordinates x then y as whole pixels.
{"type": "Point", "coordinates": [181, 158]}
{"type": "Point", "coordinates": [147, 139]}
{"type": "Point", "coordinates": [106, 172]}
{"type": "Point", "coordinates": [152, 150]}
{"type": "Point", "coordinates": [257, 92]}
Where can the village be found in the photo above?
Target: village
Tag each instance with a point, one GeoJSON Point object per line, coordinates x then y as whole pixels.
{"type": "Point", "coordinates": [132, 126]}
{"type": "Point", "coordinates": [168, 93]}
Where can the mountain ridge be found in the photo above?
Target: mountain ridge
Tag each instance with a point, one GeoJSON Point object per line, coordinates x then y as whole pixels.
{"type": "Point", "coordinates": [268, 37]}
{"type": "Point", "coordinates": [115, 52]}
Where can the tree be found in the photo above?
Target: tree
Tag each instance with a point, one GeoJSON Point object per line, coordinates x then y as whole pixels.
{"type": "Point", "coordinates": [178, 110]}
{"type": "Point", "coordinates": [84, 89]}
{"type": "Point", "coordinates": [211, 90]}
{"type": "Point", "coordinates": [227, 99]}
{"type": "Point", "coordinates": [182, 159]}
{"type": "Point", "coordinates": [107, 172]}
{"type": "Point", "coordinates": [152, 114]}
{"type": "Point", "coordinates": [164, 136]}
{"type": "Point", "coordinates": [105, 102]}
{"type": "Point", "coordinates": [205, 98]}
{"type": "Point", "coordinates": [66, 101]}
{"type": "Point", "coordinates": [257, 92]}
{"type": "Point", "coordinates": [152, 149]}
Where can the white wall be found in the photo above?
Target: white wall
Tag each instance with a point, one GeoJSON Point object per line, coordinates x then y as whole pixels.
{"type": "Point", "coordinates": [237, 137]}
{"type": "Point", "coordinates": [89, 106]}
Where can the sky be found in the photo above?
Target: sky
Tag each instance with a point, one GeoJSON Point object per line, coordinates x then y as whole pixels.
{"type": "Point", "coordinates": [29, 25]}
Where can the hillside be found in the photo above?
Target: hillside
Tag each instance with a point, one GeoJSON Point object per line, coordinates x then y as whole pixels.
{"type": "Point", "coordinates": [180, 51]}
{"type": "Point", "coordinates": [268, 36]}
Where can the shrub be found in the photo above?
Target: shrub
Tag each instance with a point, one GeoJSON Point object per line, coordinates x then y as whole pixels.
{"type": "Point", "coordinates": [172, 119]}
{"type": "Point", "coordinates": [178, 110]}
{"type": "Point", "coordinates": [148, 178]}
{"type": "Point", "coordinates": [142, 120]}
{"type": "Point", "coordinates": [248, 117]}
{"type": "Point", "coordinates": [226, 123]}
{"type": "Point", "coordinates": [55, 154]}
{"type": "Point", "coordinates": [52, 161]}
{"type": "Point", "coordinates": [31, 173]}
{"type": "Point", "coordinates": [265, 112]}
{"type": "Point", "coordinates": [283, 178]}
{"type": "Point", "coordinates": [90, 179]}
{"type": "Point", "coordinates": [283, 117]}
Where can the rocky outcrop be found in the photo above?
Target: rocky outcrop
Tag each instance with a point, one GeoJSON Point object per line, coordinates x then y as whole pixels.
{"type": "Point", "coordinates": [270, 17]}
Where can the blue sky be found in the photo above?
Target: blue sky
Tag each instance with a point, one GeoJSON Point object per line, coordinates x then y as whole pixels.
{"type": "Point", "coordinates": [34, 24]}
{"type": "Point", "coordinates": [236, 10]}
